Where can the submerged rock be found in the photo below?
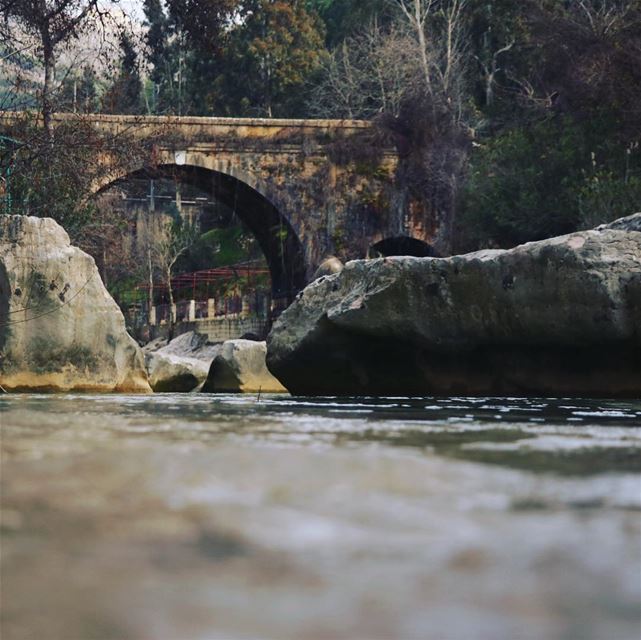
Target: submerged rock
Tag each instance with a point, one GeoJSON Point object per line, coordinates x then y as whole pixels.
{"type": "Point", "coordinates": [60, 330]}
{"type": "Point", "coordinates": [556, 317]}
{"type": "Point", "coordinates": [240, 368]}
{"type": "Point", "coordinates": [182, 365]}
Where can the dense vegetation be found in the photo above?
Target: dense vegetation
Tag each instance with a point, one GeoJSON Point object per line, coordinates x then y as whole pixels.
{"type": "Point", "coordinates": [515, 120]}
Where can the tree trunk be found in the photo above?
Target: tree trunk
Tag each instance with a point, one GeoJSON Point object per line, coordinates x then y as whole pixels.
{"type": "Point", "coordinates": [47, 103]}
{"type": "Point", "coordinates": [419, 24]}
{"type": "Point", "coordinates": [172, 310]}
{"type": "Point", "coordinates": [268, 89]}
{"type": "Point", "coordinates": [151, 280]}
{"type": "Point", "coordinates": [104, 264]}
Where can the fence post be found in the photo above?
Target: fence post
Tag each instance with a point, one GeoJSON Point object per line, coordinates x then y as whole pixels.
{"type": "Point", "coordinates": [191, 311]}
{"type": "Point", "coordinates": [245, 310]}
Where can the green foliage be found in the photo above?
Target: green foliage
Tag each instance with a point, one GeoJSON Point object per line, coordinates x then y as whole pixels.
{"type": "Point", "coordinates": [517, 189]}
{"type": "Point", "coordinates": [125, 291]}
{"type": "Point", "coordinates": [204, 23]}
{"type": "Point", "coordinates": [536, 181]}
{"type": "Point", "coordinates": [558, 144]}
{"type": "Point", "coordinates": [271, 53]}
{"type": "Point", "coordinates": [220, 247]}
{"type": "Point", "coordinates": [277, 48]}
{"type": "Point", "coordinates": [125, 94]}
{"type": "Point", "coordinates": [181, 235]}
{"type": "Point", "coordinates": [344, 17]}
{"type": "Point", "coordinates": [165, 55]}
{"type": "Point", "coordinates": [227, 57]}
{"type": "Point", "coordinates": [604, 196]}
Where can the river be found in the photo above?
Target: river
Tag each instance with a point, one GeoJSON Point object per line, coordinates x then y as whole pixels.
{"type": "Point", "coordinates": [194, 517]}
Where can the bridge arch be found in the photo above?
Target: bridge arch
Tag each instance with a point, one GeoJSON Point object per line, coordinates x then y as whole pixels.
{"type": "Point", "coordinates": [276, 237]}
{"type": "Point", "coordinates": [403, 246]}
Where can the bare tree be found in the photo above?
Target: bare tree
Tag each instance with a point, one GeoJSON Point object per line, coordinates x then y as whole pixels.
{"type": "Point", "coordinates": [47, 26]}
{"type": "Point", "coordinates": [179, 236]}
{"type": "Point", "coordinates": [416, 13]}
{"type": "Point", "coordinates": [437, 28]}
{"type": "Point", "coordinates": [367, 75]}
{"type": "Point", "coordinates": [421, 54]}
{"type": "Point", "coordinates": [590, 57]}
{"type": "Point", "coordinates": [412, 76]}
{"type": "Point", "coordinates": [435, 119]}
{"type": "Point", "coordinates": [490, 68]}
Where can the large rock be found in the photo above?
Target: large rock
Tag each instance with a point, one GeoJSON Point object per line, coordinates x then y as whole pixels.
{"type": "Point", "coordinates": [182, 365]}
{"type": "Point", "coordinates": [60, 330]}
{"type": "Point", "coordinates": [240, 368]}
{"type": "Point", "coordinates": [171, 373]}
{"type": "Point", "coordinates": [556, 317]}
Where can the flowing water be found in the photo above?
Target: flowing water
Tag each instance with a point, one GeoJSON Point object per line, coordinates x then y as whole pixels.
{"type": "Point", "coordinates": [194, 517]}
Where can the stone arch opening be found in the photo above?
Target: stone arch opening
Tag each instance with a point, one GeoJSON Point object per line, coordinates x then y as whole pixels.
{"type": "Point", "coordinates": [403, 246]}
{"type": "Point", "coordinates": [277, 239]}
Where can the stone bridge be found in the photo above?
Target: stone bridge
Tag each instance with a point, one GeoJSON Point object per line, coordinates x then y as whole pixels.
{"type": "Point", "coordinates": [307, 189]}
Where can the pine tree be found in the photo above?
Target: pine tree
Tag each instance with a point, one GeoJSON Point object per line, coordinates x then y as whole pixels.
{"type": "Point", "coordinates": [124, 95]}
{"type": "Point", "coordinates": [86, 96]}
{"type": "Point", "coordinates": [157, 40]}
{"type": "Point", "coordinates": [272, 52]}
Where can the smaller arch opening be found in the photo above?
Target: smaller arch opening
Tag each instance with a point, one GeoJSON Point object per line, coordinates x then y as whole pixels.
{"type": "Point", "coordinates": [402, 246]}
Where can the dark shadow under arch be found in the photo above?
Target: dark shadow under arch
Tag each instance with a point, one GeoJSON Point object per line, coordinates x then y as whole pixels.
{"type": "Point", "coordinates": [403, 246]}
{"type": "Point", "coordinates": [5, 303]}
{"type": "Point", "coordinates": [275, 235]}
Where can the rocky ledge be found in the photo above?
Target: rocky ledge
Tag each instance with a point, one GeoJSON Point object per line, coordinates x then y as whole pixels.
{"type": "Point", "coordinates": [558, 317]}
{"type": "Point", "coordinates": [60, 330]}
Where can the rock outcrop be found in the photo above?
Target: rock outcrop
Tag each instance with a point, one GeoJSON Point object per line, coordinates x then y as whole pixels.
{"type": "Point", "coordinates": [182, 365]}
{"type": "Point", "coordinates": [557, 317]}
{"type": "Point", "coordinates": [629, 223]}
{"type": "Point", "coordinates": [60, 330]}
{"type": "Point", "coordinates": [240, 368]}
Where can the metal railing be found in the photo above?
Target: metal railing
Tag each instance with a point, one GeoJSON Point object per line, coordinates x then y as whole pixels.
{"type": "Point", "coordinates": [256, 304]}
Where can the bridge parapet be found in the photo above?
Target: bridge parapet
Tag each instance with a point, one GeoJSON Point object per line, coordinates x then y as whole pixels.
{"type": "Point", "coordinates": [197, 129]}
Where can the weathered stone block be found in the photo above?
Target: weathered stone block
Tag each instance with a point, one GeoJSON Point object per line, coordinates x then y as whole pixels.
{"type": "Point", "coordinates": [240, 368]}
{"type": "Point", "coordinates": [60, 330]}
